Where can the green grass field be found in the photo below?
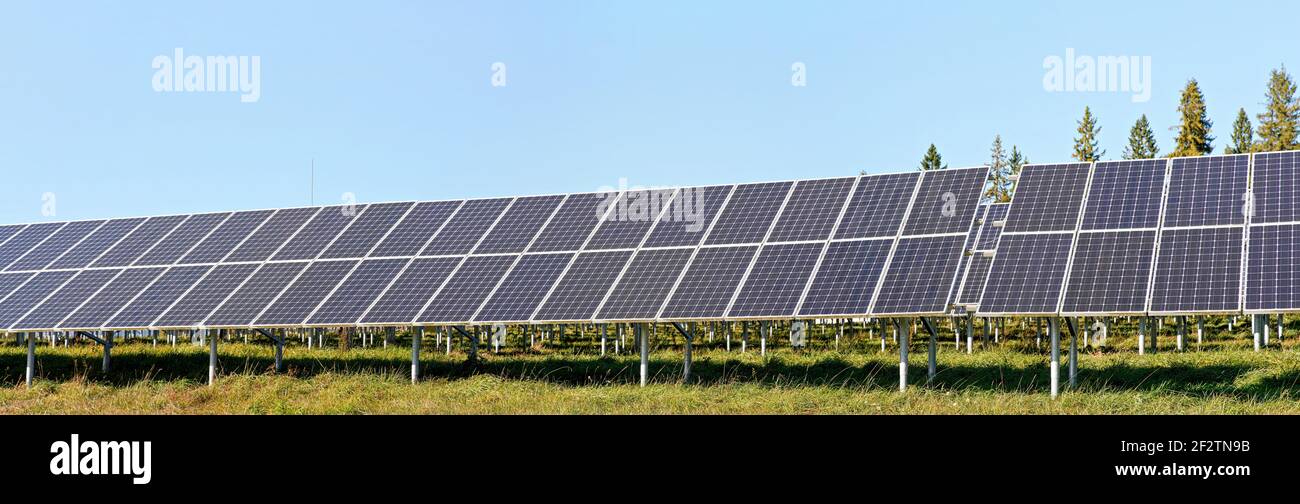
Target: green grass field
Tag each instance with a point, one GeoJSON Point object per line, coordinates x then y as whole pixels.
{"type": "Point", "coordinates": [1222, 377]}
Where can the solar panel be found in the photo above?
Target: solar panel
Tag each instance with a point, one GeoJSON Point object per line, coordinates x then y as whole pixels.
{"type": "Point", "coordinates": [272, 235]}
{"type": "Point", "coordinates": [226, 237]}
{"type": "Point", "coordinates": [464, 229]}
{"type": "Point", "coordinates": [111, 298]}
{"type": "Point", "coordinates": [573, 222]}
{"type": "Point", "coordinates": [878, 206]}
{"type": "Point", "coordinates": [1276, 187]}
{"type": "Point", "coordinates": [182, 239]}
{"type": "Point", "coordinates": [306, 292]}
{"type": "Point", "coordinates": [467, 289]}
{"type": "Point", "coordinates": [812, 211]}
{"type": "Point", "coordinates": [255, 294]}
{"type": "Point", "coordinates": [149, 304]}
{"type": "Point", "coordinates": [202, 297]}
{"type": "Point", "coordinates": [138, 242]}
{"type": "Point", "coordinates": [631, 218]}
{"type": "Point", "coordinates": [1273, 267]}
{"type": "Point", "coordinates": [410, 235]}
{"type": "Point", "coordinates": [706, 288]}
{"type": "Point", "coordinates": [519, 225]}
{"type": "Point", "coordinates": [67, 298]}
{"type": "Point", "coordinates": [689, 216]}
{"type": "Point", "coordinates": [320, 232]}
{"type": "Point", "coordinates": [94, 245]}
{"type": "Point", "coordinates": [989, 232]}
{"type": "Point", "coordinates": [56, 245]}
{"type": "Point", "coordinates": [921, 275]}
{"type": "Point", "coordinates": [1125, 195]}
{"type": "Point", "coordinates": [577, 296]}
{"type": "Point", "coordinates": [1048, 198]}
{"type": "Point", "coordinates": [1207, 190]}
{"type": "Point", "coordinates": [946, 202]}
{"type": "Point", "coordinates": [519, 294]}
{"type": "Point", "coordinates": [1027, 274]}
{"type": "Point", "coordinates": [1110, 273]}
{"type": "Point", "coordinates": [846, 278]}
{"type": "Point", "coordinates": [649, 279]}
{"type": "Point", "coordinates": [25, 240]}
{"type": "Point", "coordinates": [1199, 270]}
{"type": "Point", "coordinates": [365, 233]}
{"type": "Point", "coordinates": [404, 299]}
{"type": "Point", "coordinates": [351, 299]}
{"type": "Point", "coordinates": [977, 270]}
{"type": "Point", "coordinates": [749, 213]}
{"type": "Point", "coordinates": [777, 280]}
{"type": "Point", "coordinates": [30, 294]}
{"type": "Point", "coordinates": [10, 282]}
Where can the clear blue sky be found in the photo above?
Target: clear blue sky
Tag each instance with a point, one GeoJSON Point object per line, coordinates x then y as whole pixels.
{"type": "Point", "coordinates": [394, 99]}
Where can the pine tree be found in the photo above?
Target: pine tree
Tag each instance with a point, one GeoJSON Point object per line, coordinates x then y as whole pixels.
{"type": "Point", "coordinates": [1085, 145]}
{"type": "Point", "coordinates": [1015, 162]}
{"type": "Point", "coordinates": [1243, 137]}
{"type": "Point", "coordinates": [998, 171]}
{"type": "Point", "coordinates": [1141, 141]}
{"type": "Point", "coordinates": [1279, 125]}
{"type": "Point", "coordinates": [932, 160]}
{"type": "Point", "coordinates": [1194, 127]}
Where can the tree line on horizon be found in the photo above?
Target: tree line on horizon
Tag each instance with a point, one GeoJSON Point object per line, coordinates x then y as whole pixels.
{"type": "Point", "coordinates": [1278, 130]}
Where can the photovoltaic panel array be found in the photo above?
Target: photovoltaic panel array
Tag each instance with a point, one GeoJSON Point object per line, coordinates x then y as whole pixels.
{"type": "Point", "coordinates": [779, 250]}
{"type": "Point", "coordinates": [1199, 264]}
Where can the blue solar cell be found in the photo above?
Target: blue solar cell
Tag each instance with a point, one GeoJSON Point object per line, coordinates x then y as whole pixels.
{"type": "Point", "coordinates": [226, 237]}
{"type": "Point", "coordinates": [11, 281]}
{"type": "Point", "coordinates": [846, 279]}
{"type": "Point", "coordinates": [365, 233]}
{"type": "Point", "coordinates": [631, 218]}
{"type": "Point", "coordinates": [414, 231]}
{"type": "Point", "coordinates": [977, 270]}
{"type": "Point", "coordinates": [878, 205]}
{"type": "Point", "coordinates": [467, 289]}
{"type": "Point", "coordinates": [145, 307]}
{"type": "Point", "coordinates": [749, 213]}
{"type": "Point", "coordinates": [812, 211]}
{"type": "Point", "coordinates": [689, 216]}
{"type": "Point", "coordinates": [111, 298]}
{"type": "Point", "coordinates": [67, 298]}
{"type": "Point", "coordinates": [777, 280]}
{"type": "Point", "coordinates": [649, 279]}
{"type": "Point", "coordinates": [255, 294]}
{"type": "Point", "coordinates": [1027, 274]}
{"type": "Point", "coordinates": [129, 249]}
{"type": "Point", "coordinates": [182, 239]}
{"type": "Point", "coordinates": [946, 201]}
{"type": "Point", "coordinates": [466, 227]}
{"type": "Point", "coordinates": [1125, 194]}
{"type": "Point", "coordinates": [96, 244]}
{"type": "Point", "coordinates": [990, 231]}
{"type": "Point", "coordinates": [524, 288]}
{"type": "Point", "coordinates": [573, 222]}
{"type": "Point", "coordinates": [1207, 190]}
{"type": "Point", "coordinates": [1048, 198]}
{"type": "Point", "coordinates": [921, 276]}
{"type": "Point", "coordinates": [272, 235]}
{"type": "Point", "coordinates": [1273, 267]}
{"type": "Point", "coordinates": [25, 240]}
{"type": "Point", "coordinates": [204, 296]}
{"type": "Point", "coordinates": [403, 300]}
{"type": "Point", "coordinates": [1110, 273]}
{"type": "Point", "coordinates": [320, 232]}
{"type": "Point", "coordinates": [1277, 187]}
{"type": "Point", "coordinates": [584, 286]}
{"type": "Point", "coordinates": [56, 245]}
{"type": "Point", "coordinates": [7, 232]}
{"type": "Point", "coordinates": [30, 294]}
{"type": "Point", "coordinates": [354, 295]}
{"type": "Point", "coordinates": [709, 283]}
{"type": "Point", "coordinates": [301, 298]}
{"type": "Point", "coordinates": [1199, 270]}
{"type": "Point", "coordinates": [519, 225]}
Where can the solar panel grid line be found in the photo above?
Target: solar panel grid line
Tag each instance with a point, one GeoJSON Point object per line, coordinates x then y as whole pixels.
{"type": "Point", "coordinates": [898, 236]}
{"type": "Point", "coordinates": [565, 271]}
{"type": "Point", "coordinates": [464, 258]}
{"type": "Point", "coordinates": [408, 264]}
{"type": "Point", "coordinates": [835, 228]}
{"type": "Point", "coordinates": [520, 257]}
{"type": "Point", "coordinates": [25, 253]}
{"type": "Point", "coordinates": [640, 246]}
{"type": "Point", "coordinates": [1074, 242]}
{"type": "Point", "coordinates": [1155, 255]}
{"type": "Point", "coordinates": [785, 203]}
{"type": "Point", "coordinates": [695, 250]}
